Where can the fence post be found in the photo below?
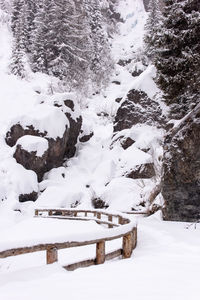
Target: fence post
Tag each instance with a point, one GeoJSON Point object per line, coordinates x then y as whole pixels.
{"type": "Point", "coordinates": [110, 218]}
{"type": "Point", "coordinates": [120, 220]}
{"type": "Point", "coordinates": [98, 215]}
{"type": "Point", "coordinates": [36, 212]}
{"type": "Point", "coordinates": [100, 252]}
{"type": "Point", "coordinates": [127, 245]}
{"type": "Point", "coordinates": [134, 233]}
{"type": "Point", "coordinates": [51, 255]}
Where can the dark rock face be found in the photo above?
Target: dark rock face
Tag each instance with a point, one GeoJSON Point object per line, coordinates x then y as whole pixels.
{"type": "Point", "coordinates": [99, 203]}
{"type": "Point", "coordinates": [75, 128]}
{"type": "Point", "coordinates": [56, 152]}
{"type": "Point", "coordinates": [52, 159]}
{"type": "Point", "coordinates": [58, 149]}
{"type": "Point", "coordinates": [181, 171]}
{"type": "Point", "coordinates": [124, 62]}
{"type": "Point", "coordinates": [86, 138]}
{"type": "Point", "coordinates": [17, 131]}
{"type": "Point", "coordinates": [30, 161]}
{"type": "Point", "coordinates": [138, 108]}
{"type": "Point", "coordinates": [144, 171]}
{"type": "Point", "coordinates": [127, 142]}
{"type": "Point", "coordinates": [28, 197]}
{"type": "Point", "coordinates": [75, 120]}
{"type": "Point", "coordinates": [136, 72]}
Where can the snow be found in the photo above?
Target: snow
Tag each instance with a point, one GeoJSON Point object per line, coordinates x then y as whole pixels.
{"type": "Point", "coordinates": [33, 144]}
{"type": "Point", "coordinates": [42, 117]}
{"type": "Point", "coordinates": [165, 265]}
{"type": "Point", "coordinates": [15, 180]}
{"type": "Point", "coordinates": [145, 82]}
{"type": "Point", "coordinates": [70, 194]}
{"type": "Point", "coordinates": [126, 193]}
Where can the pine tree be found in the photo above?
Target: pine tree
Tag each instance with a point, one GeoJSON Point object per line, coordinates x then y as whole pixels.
{"type": "Point", "coordinates": [19, 48]}
{"type": "Point", "coordinates": [178, 55]}
{"type": "Point", "coordinates": [152, 28]}
{"type": "Point", "coordinates": [60, 42]}
{"type": "Point", "coordinates": [100, 63]}
{"type": "Point", "coordinates": [42, 35]}
{"type": "Point", "coordinates": [30, 10]}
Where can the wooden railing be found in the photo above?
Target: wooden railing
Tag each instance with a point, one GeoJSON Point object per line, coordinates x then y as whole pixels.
{"type": "Point", "coordinates": [128, 235]}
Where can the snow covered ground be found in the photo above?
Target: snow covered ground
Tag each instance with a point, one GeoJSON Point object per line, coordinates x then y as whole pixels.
{"type": "Point", "coordinates": [165, 265]}
{"type": "Point", "coordinates": [95, 164]}
{"type": "Point", "coordinates": [166, 262]}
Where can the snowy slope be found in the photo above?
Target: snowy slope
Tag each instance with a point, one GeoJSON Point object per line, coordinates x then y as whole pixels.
{"type": "Point", "coordinates": [95, 165]}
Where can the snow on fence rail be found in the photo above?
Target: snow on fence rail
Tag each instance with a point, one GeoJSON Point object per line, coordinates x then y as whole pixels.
{"type": "Point", "coordinates": [120, 227]}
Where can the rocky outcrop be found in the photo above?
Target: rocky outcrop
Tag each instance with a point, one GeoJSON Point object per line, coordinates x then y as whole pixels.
{"type": "Point", "coordinates": [33, 154]}
{"type": "Point", "coordinates": [181, 170]}
{"type": "Point", "coordinates": [85, 138]}
{"type": "Point", "coordinates": [138, 108]}
{"type": "Point", "coordinates": [127, 142]}
{"type": "Point", "coordinates": [47, 124]}
{"type": "Point", "coordinates": [99, 203]}
{"type": "Point", "coordinates": [52, 158]}
{"type": "Point", "coordinates": [28, 197]}
{"type": "Point", "coordinates": [75, 127]}
{"type": "Point", "coordinates": [59, 124]}
{"type": "Point", "coordinates": [72, 112]}
{"type": "Point", "coordinates": [143, 171]}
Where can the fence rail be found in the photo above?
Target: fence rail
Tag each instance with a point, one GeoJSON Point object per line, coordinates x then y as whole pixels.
{"type": "Point", "coordinates": [129, 237]}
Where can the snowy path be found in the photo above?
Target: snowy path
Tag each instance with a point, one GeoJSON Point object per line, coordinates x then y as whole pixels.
{"type": "Point", "coordinates": [165, 265]}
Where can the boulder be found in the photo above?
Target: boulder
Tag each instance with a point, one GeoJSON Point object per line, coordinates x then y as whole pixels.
{"type": "Point", "coordinates": [45, 123]}
{"type": "Point", "coordinates": [32, 153]}
{"type": "Point", "coordinates": [16, 182]}
{"type": "Point", "coordinates": [85, 138]}
{"type": "Point", "coordinates": [181, 170]}
{"type": "Point", "coordinates": [99, 203]}
{"type": "Point", "coordinates": [138, 108]}
{"type": "Point", "coordinates": [143, 171]}
{"type": "Point", "coordinates": [75, 128]}
{"type": "Point", "coordinates": [72, 111]}
{"type": "Point", "coordinates": [28, 197]}
{"type": "Point", "coordinates": [127, 142]}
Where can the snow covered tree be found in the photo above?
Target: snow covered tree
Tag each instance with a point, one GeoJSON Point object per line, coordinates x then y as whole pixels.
{"type": "Point", "coordinates": [42, 35]}
{"type": "Point", "coordinates": [19, 45]}
{"type": "Point", "coordinates": [101, 62]}
{"type": "Point", "coordinates": [178, 55]}
{"type": "Point", "coordinates": [152, 27]}
{"type": "Point", "coordinates": [30, 10]}
{"type": "Point", "coordinates": [64, 38]}
{"type": "Point", "coordinates": [60, 42]}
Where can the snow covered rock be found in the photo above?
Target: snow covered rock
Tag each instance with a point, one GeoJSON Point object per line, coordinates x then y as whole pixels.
{"type": "Point", "coordinates": [137, 108]}
{"type": "Point", "coordinates": [71, 109]}
{"type": "Point", "coordinates": [125, 193]}
{"type": "Point", "coordinates": [87, 131]}
{"type": "Point", "coordinates": [143, 171]}
{"type": "Point", "coordinates": [43, 121]}
{"type": "Point", "coordinates": [17, 183]}
{"type": "Point", "coordinates": [32, 153]}
{"type": "Point", "coordinates": [181, 178]}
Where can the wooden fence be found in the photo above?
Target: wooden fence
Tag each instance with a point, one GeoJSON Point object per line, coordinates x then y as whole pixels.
{"type": "Point", "coordinates": [129, 237]}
